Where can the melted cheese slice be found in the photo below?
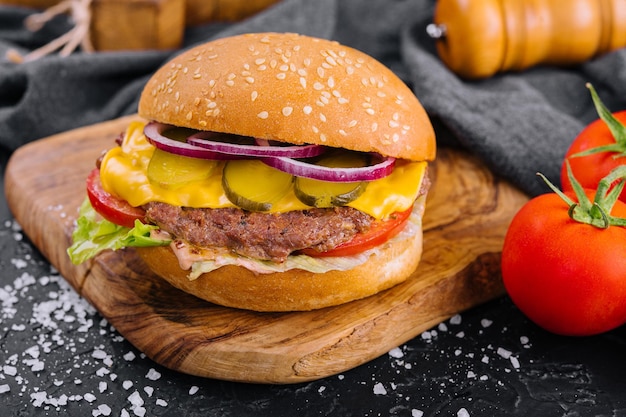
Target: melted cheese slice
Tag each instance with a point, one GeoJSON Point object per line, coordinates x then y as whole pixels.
{"type": "Point", "coordinates": [123, 173]}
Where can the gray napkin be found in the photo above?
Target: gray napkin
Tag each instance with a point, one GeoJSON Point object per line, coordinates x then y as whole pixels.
{"type": "Point", "coordinates": [518, 124]}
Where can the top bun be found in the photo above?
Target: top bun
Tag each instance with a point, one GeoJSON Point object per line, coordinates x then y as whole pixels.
{"type": "Point", "coordinates": [291, 88]}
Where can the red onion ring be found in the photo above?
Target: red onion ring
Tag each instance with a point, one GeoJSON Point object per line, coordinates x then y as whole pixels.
{"type": "Point", "coordinates": [261, 149]}
{"type": "Point", "coordinates": [318, 172]}
{"type": "Point", "coordinates": [154, 134]}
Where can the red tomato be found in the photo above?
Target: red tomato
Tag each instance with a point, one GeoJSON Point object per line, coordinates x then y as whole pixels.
{"type": "Point", "coordinates": [110, 207]}
{"type": "Point", "coordinates": [590, 169]}
{"type": "Point", "coordinates": [567, 277]}
{"type": "Point", "coordinates": [379, 233]}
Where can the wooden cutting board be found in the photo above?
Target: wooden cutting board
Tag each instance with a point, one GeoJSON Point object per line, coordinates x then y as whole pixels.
{"type": "Point", "coordinates": [467, 213]}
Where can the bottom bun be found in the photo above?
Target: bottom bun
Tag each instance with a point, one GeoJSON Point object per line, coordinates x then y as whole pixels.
{"type": "Point", "coordinates": [294, 290]}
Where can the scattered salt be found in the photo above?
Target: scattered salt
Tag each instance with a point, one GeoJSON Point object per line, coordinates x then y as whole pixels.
{"type": "Point", "coordinates": [379, 389]}
{"type": "Point", "coordinates": [193, 390]}
{"type": "Point", "coordinates": [504, 353]}
{"type": "Point", "coordinates": [462, 413]}
{"type": "Point", "coordinates": [4, 388]}
{"type": "Point", "coordinates": [396, 353]}
{"type": "Point", "coordinates": [153, 374]}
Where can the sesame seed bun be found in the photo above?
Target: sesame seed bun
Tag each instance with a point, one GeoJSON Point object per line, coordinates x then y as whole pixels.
{"type": "Point", "coordinates": [291, 88]}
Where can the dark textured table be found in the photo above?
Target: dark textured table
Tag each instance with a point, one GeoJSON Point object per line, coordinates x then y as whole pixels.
{"type": "Point", "coordinates": [58, 356]}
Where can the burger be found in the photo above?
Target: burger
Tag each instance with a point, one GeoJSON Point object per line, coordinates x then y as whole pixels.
{"type": "Point", "coordinates": [268, 172]}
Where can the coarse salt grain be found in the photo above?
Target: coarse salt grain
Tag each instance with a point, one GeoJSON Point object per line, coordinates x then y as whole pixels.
{"type": "Point", "coordinates": [193, 390]}
{"type": "Point", "coordinates": [379, 389]}
{"type": "Point", "coordinates": [396, 353]}
{"type": "Point", "coordinates": [153, 374]}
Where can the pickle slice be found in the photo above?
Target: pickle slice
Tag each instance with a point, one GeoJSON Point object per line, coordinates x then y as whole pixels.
{"type": "Point", "coordinates": [171, 171]}
{"type": "Point", "coordinates": [323, 194]}
{"type": "Point", "coordinates": [253, 185]}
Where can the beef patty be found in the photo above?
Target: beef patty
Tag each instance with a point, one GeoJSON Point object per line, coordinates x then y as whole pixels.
{"type": "Point", "coordinates": [267, 236]}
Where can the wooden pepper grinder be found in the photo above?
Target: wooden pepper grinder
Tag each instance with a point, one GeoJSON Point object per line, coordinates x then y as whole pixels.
{"type": "Point", "coordinates": [478, 38]}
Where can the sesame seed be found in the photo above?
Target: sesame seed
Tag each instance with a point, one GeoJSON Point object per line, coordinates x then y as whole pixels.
{"type": "Point", "coordinates": [196, 101]}
{"type": "Point", "coordinates": [262, 67]}
{"type": "Point", "coordinates": [393, 124]}
{"type": "Point", "coordinates": [273, 63]}
{"type": "Point", "coordinates": [315, 129]}
{"type": "Point", "coordinates": [324, 99]}
{"type": "Point", "coordinates": [202, 123]}
{"type": "Point", "coordinates": [287, 110]}
{"type": "Point", "coordinates": [331, 61]}
{"type": "Point", "coordinates": [318, 86]}
{"type": "Point", "coordinates": [395, 116]}
{"type": "Point", "coordinates": [352, 123]}
{"type": "Point", "coordinates": [250, 80]}
{"type": "Point", "coordinates": [307, 62]}
{"type": "Point", "coordinates": [281, 75]}
{"type": "Point", "coordinates": [212, 105]}
{"type": "Point", "coordinates": [342, 132]}
{"type": "Point", "coordinates": [303, 82]}
{"type": "Point", "coordinates": [395, 137]}
{"type": "Point", "coordinates": [265, 39]}
{"type": "Point", "coordinates": [177, 96]}
{"type": "Point", "coordinates": [342, 100]}
{"type": "Point", "coordinates": [230, 83]}
{"type": "Point", "coordinates": [263, 115]}
{"type": "Point", "coordinates": [260, 61]}
{"type": "Point", "coordinates": [322, 117]}
{"type": "Point", "coordinates": [323, 137]}
{"type": "Point", "coordinates": [212, 83]}
{"type": "Point", "coordinates": [231, 76]}
{"type": "Point", "coordinates": [189, 115]}
{"type": "Point", "coordinates": [320, 72]}
{"type": "Point", "coordinates": [307, 109]}
{"type": "Point", "coordinates": [254, 95]}
{"type": "Point", "coordinates": [331, 82]}
{"type": "Point", "coordinates": [284, 67]}
{"type": "Point", "coordinates": [370, 111]}
{"type": "Point", "coordinates": [302, 72]}
{"type": "Point", "coordinates": [374, 127]}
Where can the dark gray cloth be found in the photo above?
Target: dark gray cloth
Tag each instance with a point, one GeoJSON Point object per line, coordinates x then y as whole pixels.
{"type": "Point", "coordinates": [518, 124]}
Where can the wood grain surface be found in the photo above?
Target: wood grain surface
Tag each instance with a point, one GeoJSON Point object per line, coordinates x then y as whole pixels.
{"type": "Point", "coordinates": [467, 213]}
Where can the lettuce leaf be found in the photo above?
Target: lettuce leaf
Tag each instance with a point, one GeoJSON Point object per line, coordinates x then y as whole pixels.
{"type": "Point", "coordinates": [94, 235]}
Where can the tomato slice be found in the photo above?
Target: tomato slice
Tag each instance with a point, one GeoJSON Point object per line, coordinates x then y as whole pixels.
{"type": "Point", "coordinates": [110, 207]}
{"type": "Point", "coordinates": [380, 232]}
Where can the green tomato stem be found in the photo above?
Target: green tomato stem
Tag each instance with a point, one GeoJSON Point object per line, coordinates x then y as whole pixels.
{"type": "Point", "coordinates": [618, 130]}
{"type": "Point", "coordinates": [597, 212]}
